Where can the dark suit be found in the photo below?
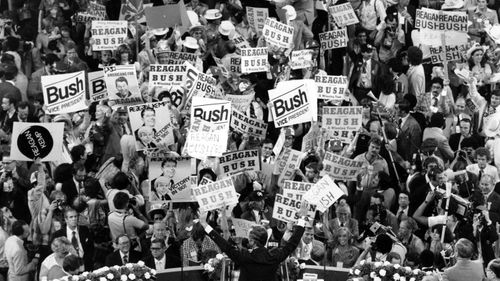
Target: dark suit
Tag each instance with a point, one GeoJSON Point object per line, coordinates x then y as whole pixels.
{"type": "Point", "coordinates": [493, 204]}
{"type": "Point", "coordinates": [70, 189]}
{"type": "Point", "coordinates": [115, 258]}
{"type": "Point", "coordinates": [376, 71]}
{"type": "Point", "coordinates": [87, 240]}
{"type": "Point", "coordinates": [454, 141]}
{"type": "Point", "coordinates": [172, 260]}
{"type": "Point", "coordinates": [409, 138]}
{"type": "Point", "coordinates": [259, 264]}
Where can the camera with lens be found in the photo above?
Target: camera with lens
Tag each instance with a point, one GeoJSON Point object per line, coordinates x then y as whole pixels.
{"type": "Point", "coordinates": [132, 202]}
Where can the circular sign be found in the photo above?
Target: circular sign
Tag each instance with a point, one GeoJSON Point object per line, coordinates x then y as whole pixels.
{"type": "Point", "coordinates": [35, 141]}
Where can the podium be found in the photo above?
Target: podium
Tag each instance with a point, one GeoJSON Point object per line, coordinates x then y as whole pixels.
{"type": "Point", "coordinates": [187, 273]}
{"type": "Point", "coordinates": [328, 272]}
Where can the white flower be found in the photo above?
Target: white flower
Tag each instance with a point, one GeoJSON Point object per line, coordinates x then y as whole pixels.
{"type": "Point", "coordinates": [382, 272]}
{"type": "Point", "coordinates": [147, 275]}
{"type": "Point", "coordinates": [87, 279]}
{"type": "Point", "coordinates": [357, 271]}
{"type": "Point", "coordinates": [396, 276]}
{"type": "Point", "coordinates": [350, 271]}
{"type": "Point", "coordinates": [102, 279]}
{"type": "Point", "coordinates": [116, 267]}
{"type": "Point", "coordinates": [416, 271]}
{"type": "Point", "coordinates": [123, 277]}
{"type": "Point", "coordinates": [210, 261]}
{"type": "Point", "coordinates": [412, 279]}
{"type": "Point", "coordinates": [110, 276]}
{"type": "Point", "coordinates": [396, 266]}
{"type": "Point", "coordinates": [372, 275]}
{"type": "Point", "coordinates": [206, 266]}
{"type": "Point", "coordinates": [131, 276]}
{"type": "Point", "coordinates": [377, 279]}
{"type": "Point", "coordinates": [105, 268]}
{"type": "Point", "coordinates": [386, 263]}
{"type": "Point", "coordinates": [129, 265]}
{"type": "Point", "coordinates": [74, 278]}
{"type": "Point", "coordinates": [362, 262]}
{"type": "Point", "coordinates": [84, 274]}
{"type": "Point", "coordinates": [377, 264]}
{"type": "Point", "coordinates": [302, 266]}
{"type": "Point", "coordinates": [140, 263]}
{"type": "Point", "coordinates": [407, 268]}
{"type": "Point", "coordinates": [219, 256]}
{"type": "Point", "coordinates": [403, 278]}
{"type": "Point", "coordinates": [210, 268]}
{"type": "Point", "coordinates": [153, 271]}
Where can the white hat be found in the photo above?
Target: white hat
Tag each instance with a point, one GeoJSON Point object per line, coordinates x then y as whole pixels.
{"type": "Point", "coordinates": [193, 17]}
{"type": "Point", "coordinates": [452, 4]}
{"type": "Point", "coordinates": [226, 27]}
{"type": "Point", "coordinates": [160, 31]}
{"type": "Point", "coordinates": [191, 43]}
{"type": "Point", "coordinates": [474, 48]}
{"type": "Point", "coordinates": [213, 14]}
{"type": "Point", "coordinates": [494, 33]}
{"type": "Point", "coordinates": [291, 14]}
{"type": "Point", "coordinates": [492, 128]}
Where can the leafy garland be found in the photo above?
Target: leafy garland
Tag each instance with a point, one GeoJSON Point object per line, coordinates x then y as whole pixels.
{"type": "Point", "coordinates": [385, 271]}
{"type": "Point", "coordinates": [130, 271]}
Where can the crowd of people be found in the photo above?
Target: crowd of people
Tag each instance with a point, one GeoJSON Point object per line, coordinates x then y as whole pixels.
{"type": "Point", "coordinates": [427, 195]}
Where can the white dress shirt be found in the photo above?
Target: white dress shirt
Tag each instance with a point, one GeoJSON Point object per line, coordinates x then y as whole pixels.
{"type": "Point", "coordinates": [160, 264]}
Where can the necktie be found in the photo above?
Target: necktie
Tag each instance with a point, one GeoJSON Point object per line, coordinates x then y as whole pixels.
{"type": "Point", "coordinates": [481, 171]}
{"type": "Point", "coordinates": [400, 215]}
{"type": "Point", "coordinates": [200, 253]}
{"type": "Point", "coordinates": [80, 187]}
{"type": "Point", "coordinates": [363, 68]}
{"type": "Point", "coordinates": [124, 130]}
{"type": "Point", "coordinates": [125, 259]}
{"type": "Point", "coordinates": [400, 122]}
{"type": "Point", "coordinates": [74, 242]}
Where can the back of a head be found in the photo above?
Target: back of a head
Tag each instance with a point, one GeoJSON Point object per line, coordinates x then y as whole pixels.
{"type": "Point", "coordinates": [71, 263]}
{"type": "Point", "coordinates": [317, 252]}
{"type": "Point", "coordinates": [259, 235]}
{"type": "Point", "coordinates": [120, 181]}
{"type": "Point", "coordinates": [121, 200]}
{"type": "Point", "coordinates": [437, 120]}
{"type": "Point", "coordinates": [427, 258]}
{"type": "Point", "coordinates": [383, 243]}
{"type": "Point", "coordinates": [464, 248]}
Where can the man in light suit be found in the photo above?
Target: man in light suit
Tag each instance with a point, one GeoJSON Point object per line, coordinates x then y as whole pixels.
{"type": "Point", "coordinates": [464, 269]}
{"type": "Point", "coordinates": [410, 135]}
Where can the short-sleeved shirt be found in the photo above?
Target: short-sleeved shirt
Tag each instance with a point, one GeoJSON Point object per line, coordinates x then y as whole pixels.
{"type": "Point", "coordinates": [118, 224]}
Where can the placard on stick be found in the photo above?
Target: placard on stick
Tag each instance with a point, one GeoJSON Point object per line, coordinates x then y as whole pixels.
{"type": "Point", "coordinates": [37, 140]}
{"type": "Point", "coordinates": [343, 14]}
{"type": "Point", "coordinates": [108, 35]}
{"type": "Point", "coordinates": [64, 93]}
{"type": "Point", "coordinates": [333, 39]}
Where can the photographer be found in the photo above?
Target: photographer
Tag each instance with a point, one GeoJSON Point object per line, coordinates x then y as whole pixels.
{"type": "Point", "coordinates": [122, 222]}
{"type": "Point", "coordinates": [17, 256]}
{"type": "Point", "coordinates": [378, 248]}
{"type": "Point", "coordinates": [485, 233]}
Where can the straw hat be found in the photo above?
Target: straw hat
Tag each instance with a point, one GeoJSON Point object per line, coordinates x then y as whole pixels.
{"type": "Point", "coordinates": [473, 49]}
{"type": "Point", "coordinates": [291, 14]}
{"type": "Point", "coordinates": [452, 4]}
{"type": "Point", "coordinates": [213, 14]}
{"type": "Point", "coordinates": [190, 42]}
{"type": "Point", "coordinates": [226, 27]}
{"type": "Point", "coordinates": [492, 128]}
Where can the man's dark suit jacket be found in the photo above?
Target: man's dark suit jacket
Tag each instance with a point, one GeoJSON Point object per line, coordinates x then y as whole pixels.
{"type": "Point", "coordinates": [87, 240]}
{"type": "Point", "coordinates": [261, 263]}
{"type": "Point", "coordinates": [409, 138]}
{"type": "Point", "coordinates": [172, 260]}
{"type": "Point", "coordinates": [493, 202]}
{"type": "Point", "coordinates": [377, 71]}
{"type": "Point", "coordinates": [69, 188]}
{"type": "Point", "coordinates": [115, 258]}
{"type": "Point", "coordinates": [11, 91]}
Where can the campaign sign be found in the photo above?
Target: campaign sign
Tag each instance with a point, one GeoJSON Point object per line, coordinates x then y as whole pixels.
{"type": "Point", "coordinates": [342, 122]}
{"type": "Point", "coordinates": [286, 209]}
{"type": "Point", "coordinates": [64, 93]}
{"type": "Point", "coordinates": [324, 193]}
{"type": "Point", "coordinates": [232, 163]}
{"type": "Point", "coordinates": [216, 195]}
{"type": "Point", "coordinates": [277, 33]}
{"type": "Point", "coordinates": [169, 178]}
{"type": "Point", "coordinates": [254, 60]}
{"type": "Point", "coordinates": [37, 140]}
{"type": "Point", "coordinates": [108, 35]}
{"type": "Point", "coordinates": [340, 168]}
{"type": "Point", "coordinates": [343, 14]}
{"type": "Point", "coordinates": [331, 87]}
{"type": "Point", "coordinates": [166, 75]}
{"type": "Point", "coordinates": [170, 57]}
{"type": "Point", "coordinates": [97, 86]}
{"type": "Point", "coordinates": [122, 85]}
{"type": "Point", "coordinates": [333, 39]}
{"type": "Point", "coordinates": [247, 125]}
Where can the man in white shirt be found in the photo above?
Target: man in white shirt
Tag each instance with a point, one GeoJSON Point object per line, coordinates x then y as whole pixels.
{"type": "Point", "coordinates": [481, 167]}
{"type": "Point", "coordinates": [17, 256]}
{"type": "Point", "coordinates": [404, 203]}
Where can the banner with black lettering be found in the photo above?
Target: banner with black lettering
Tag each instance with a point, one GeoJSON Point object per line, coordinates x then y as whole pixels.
{"type": "Point", "coordinates": [343, 14]}
{"type": "Point", "coordinates": [94, 12]}
{"type": "Point", "coordinates": [166, 75]}
{"type": "Point", "coordinates": [241, 102]}
{"type": "Point", "coordinates": [342, 122]}
{"type": "Point", "coordinates": [340, 168]}
{"type": "Point", "coordinates": [37, 140]}
{"type": "Point", "coordinates": [241, 161]}
{"type": "Point", "coordinates": [97, 86]}
{"type": "Point", "coordinates": [285, 209]}
{"type": "Point", "coordinates": [301, 59]}
{"type": "Point", "coordinates": [256, 18]}
{"type": "Point", "coordinates": [247, 125]}
{"type": "Point", "coordinates": [211, 110]}
{"type": "Point", "coordinates": [286, 164]}
{"type": "Point", "coordinates": [122, 85]}
{"type": "Point", "coordinates": [239, 41]}
{"type": "Point", "coordinates": [277, 33]}
{"type": "Point", "coordinates": [170, 57]}
{"type": "Point", "coordinates": [293, 102]}
{"type": "Point", "coordinates": [108, 35]}
{"type": "Point", "coordinates": [434, 23]}
{"type": "Point", "coordinates": [254, 60]}
{"type": "Point", "coordinates": [324, 193]}
{"type": "Point", "coordinates": [333, 39]}
{"type": "Point", "coordinates": [296, 189]}
{"type": "Point", "coordinates": [235, 64]}
{"type": "Point", "coordinates": [453, 53]}
{"type": "Point", "coordinates": [64, 93]}
{"type": "Point", "coordinates": [203, 86]}
{"type": "Point", "coordinates": [331, 87]}
{"type": "Point", "coordinates": [152, 125]}
{"type": "Point", "coordinates": [216, 195]}
{"type": "Point", "coordinates": [169, 178]}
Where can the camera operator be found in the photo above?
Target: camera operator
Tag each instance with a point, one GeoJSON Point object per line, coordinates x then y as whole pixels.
{"type": "Point", "coordinates": [485, 234]}
{"type": "Point", "coordinates": [378, 248]}
{"type": "Point", "coordinates": [123, 221]}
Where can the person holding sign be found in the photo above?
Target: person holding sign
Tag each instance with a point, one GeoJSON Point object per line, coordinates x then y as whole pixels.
{"type": "Point", "coordinates": [258, 262]}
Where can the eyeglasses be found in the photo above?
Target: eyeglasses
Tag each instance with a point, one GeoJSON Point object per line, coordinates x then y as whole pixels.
{"type": "Point", "coordinates": [155, 249]}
